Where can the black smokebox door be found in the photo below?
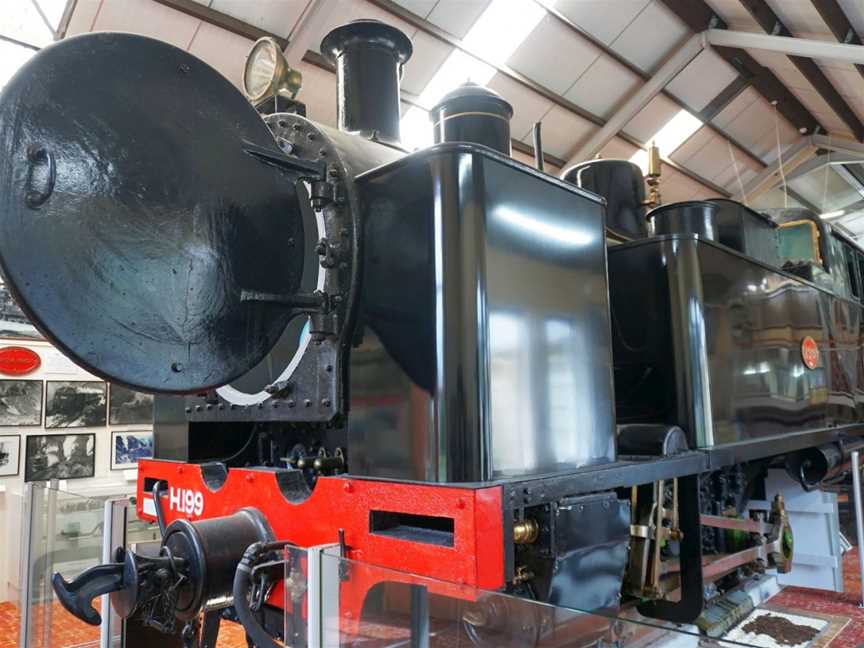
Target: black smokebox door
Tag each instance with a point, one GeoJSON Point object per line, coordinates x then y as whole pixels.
{"type": "Point", "coordinates": [132, 215]}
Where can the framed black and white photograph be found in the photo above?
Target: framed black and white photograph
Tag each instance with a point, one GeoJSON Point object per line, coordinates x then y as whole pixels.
{"type": "Point", "coordinates": [75, 403]}
{"type": "Point", "coordinates": [128, 447]}
{"type": "Point", "coordinates": [10, 454]}
{"type": "Point", "coordinates": [13, 321]}
{"type": "Point", "coordinates": [128, 407]}
{"type": "Point", "coordinates": [59, 456]}
{"type": "Point", "coordinates": [20, 402]}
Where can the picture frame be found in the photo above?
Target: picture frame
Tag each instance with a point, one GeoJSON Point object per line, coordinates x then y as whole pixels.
{"type": "Point", "coordinates": [75, 403]}
{"type": "Point", "coordinates": [60, 456]}
{"type": "Point", "coordinates": [10, 455]}
{"type": "Point", "coordinates": [128, 446]}
{"type": "Point", "coordinates": [21, 402]}
{"type": "Point", "coordinates": [129, 407]}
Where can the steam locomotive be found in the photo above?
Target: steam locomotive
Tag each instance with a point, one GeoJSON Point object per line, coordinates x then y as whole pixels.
{"type": "Point", "coordinates": [443, 362]}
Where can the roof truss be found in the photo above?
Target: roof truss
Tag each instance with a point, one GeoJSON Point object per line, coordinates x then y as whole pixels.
{"type": "Point", "coordinates": [771, 23]}
{"type": "Point", "coordinates": [699, 17]}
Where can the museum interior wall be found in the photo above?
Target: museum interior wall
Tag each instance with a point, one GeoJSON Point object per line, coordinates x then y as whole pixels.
{"type": "Point", "coordinates": [59, 422]}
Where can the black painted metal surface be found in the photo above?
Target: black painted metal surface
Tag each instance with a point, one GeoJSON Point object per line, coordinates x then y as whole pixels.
{"type": "Point", "coordinates": [310, 371]}
{"type": "Point", "coordinates": [689, 606]}
{"type": "Point", "coordinates": [620, 182]}
{"type": "Point", "coordinates": [486, 349]}
{"type": "Point", "coordinates": [591, 536]}
{"type": "Point", "coordinates": [693, 217]}
{"type": "Point", "coordinates": [475, 115]}
{"type": "Point", "coordinates": [131, 217]}
{"type": "Point", "coordinates": [747, 231]}
{"type": "Point", "coordinates": [711, 340]}
{"type": "Point", "coordinates": [368, 56]}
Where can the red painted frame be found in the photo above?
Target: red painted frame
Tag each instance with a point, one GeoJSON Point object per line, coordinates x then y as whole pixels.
{"type": "Point", "coordinates": [475, 560]}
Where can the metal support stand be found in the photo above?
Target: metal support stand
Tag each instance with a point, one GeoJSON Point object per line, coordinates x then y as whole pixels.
{"type": "Point", "coordinates": [419, 616]}
{"type": "Point", "coordinates": [114, 522]}
{"type": "Point", "coordinates": [47, 594]}
{"type": "Point", "coordinates": [859, 515]}
{"type": "Point", "coordinates": [324, 563]}
{"type": "Point", "coordinates": [24, 574]}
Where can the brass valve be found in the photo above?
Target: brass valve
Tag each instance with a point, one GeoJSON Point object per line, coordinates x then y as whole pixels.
{"type": "Point", "coordinates": [526, 531]}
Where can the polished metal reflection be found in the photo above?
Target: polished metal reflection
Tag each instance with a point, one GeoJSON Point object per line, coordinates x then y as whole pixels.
{"type": "Point", "coordinates": [541, 333]}
{"type": "Point", "coordinates": [711, 340]}
{"type": "Point", "coordinates": [488, 352]}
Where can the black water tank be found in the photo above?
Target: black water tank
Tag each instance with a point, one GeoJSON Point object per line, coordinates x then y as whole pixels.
{"type": "Point", "coordinates": [620, 182]}
{"type": "Point", "coordinates": [472, 113]}
{"type": "Point", "coordinates": [692, 217]}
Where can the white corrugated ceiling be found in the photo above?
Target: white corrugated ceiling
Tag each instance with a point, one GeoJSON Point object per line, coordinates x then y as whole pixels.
{"type": "Point", "coordinates": [576, 64]}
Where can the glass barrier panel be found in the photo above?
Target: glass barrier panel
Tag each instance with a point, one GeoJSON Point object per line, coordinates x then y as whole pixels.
{"type": "Point", "coordinates": [140, 536]}
{"type": "Point", "coordinates": [64, 535]}
{"type": "Point", "coordinates": [330, 601]}
{"type": "Point", "coordinates": [139, 531]}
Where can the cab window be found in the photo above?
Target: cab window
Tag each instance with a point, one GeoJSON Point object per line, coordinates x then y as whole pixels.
{"type": "Point", "coordinates": [799, 242]}
{"type": "Point", "coordinates": [851, 262]}
{"type": "Point", "coordinates": [859, 258]}
{"type": "Point", "coordinates": [840, 276]}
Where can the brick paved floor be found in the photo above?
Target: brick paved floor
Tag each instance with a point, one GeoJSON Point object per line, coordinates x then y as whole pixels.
{"type": "Point", "coordinates": [65, 631]}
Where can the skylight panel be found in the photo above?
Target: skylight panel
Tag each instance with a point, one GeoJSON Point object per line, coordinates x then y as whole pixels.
{"type": "Point", "coordinates": [12, 57]}
{"type": "Point", "coordinates": [673, 134]}
{"type": "Point", "coordinates": [499, 30]}
{"type": "Point", "coordinates": [502, 28]}
{"type": "Point", "coordinates": [415, 129]}
{"type": "Point", "coordinates": [456, 70]}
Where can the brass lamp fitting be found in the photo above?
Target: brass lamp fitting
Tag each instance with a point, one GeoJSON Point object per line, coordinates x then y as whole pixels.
{"type": "Point", "coordinates": [652, 178]}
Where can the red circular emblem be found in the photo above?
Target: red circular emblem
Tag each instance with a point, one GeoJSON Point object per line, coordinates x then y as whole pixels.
{"type": "Point", "coordinates": [810, 352]}
{"type": "Point", "coordinates": [17, 361]}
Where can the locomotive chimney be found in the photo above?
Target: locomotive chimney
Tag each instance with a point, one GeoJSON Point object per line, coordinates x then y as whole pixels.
{"type": "Point", "coordinates": [368, 56]}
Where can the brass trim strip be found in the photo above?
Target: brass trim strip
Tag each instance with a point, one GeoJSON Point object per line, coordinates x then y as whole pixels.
{"type": "Point", "coordinates": [471, 114]}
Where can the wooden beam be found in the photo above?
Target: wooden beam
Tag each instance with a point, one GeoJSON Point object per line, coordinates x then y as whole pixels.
{"type": "Point", "coordinates": [834, 16]}
{"type": "Point", "coordinates": [770, 176]}
{"type": "Point", "coordinates": [615, 56]}
{"type": "Point", "coordinates": [699, 16]}
{"type": "Point", "coordinates": [771, 24]}
{"type": "Point", "coordinates": [445, 37]}
{"type": "Point", "coordinates": [726, 96]}
{"type": "Point", "coordinates": [221, 20]}
{"type": "Point", "coordinates": [19, 43]}
{"type": "Point", "coordinates": [801, 200]}
{"type": "Point", "coordinates": [310, 26]}
{"type": "Point", "coordinates": [65, 19]}
{"type": "Point", "coordinates": [676, 62]}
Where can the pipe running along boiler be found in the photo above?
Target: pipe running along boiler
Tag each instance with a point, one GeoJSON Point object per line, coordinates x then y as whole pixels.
{"type": "Point", "coordinates": [442, 362]}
